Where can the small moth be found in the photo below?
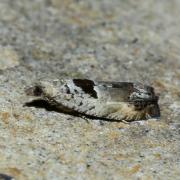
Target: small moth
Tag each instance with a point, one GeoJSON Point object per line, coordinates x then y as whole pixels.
{"type": "Point", "coordinates": [119, 101]}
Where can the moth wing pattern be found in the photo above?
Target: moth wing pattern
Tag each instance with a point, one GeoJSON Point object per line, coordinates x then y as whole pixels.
{"type": "Point", "coordinates": [108, 100]}
{"type": "Point", "coordinates": [83, 96]}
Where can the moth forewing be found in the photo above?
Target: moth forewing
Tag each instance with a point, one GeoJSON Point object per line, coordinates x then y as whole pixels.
{"type": "Point", "coordinates": [112, 100]}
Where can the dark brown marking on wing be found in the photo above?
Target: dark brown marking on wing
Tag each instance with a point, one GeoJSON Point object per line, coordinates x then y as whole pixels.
{"type": "Point", "coordinates": [87, 86]}
{"type": "Point", "coordinates": [67, 89]}
{"type": "Point", "coordinates": [123, 85]}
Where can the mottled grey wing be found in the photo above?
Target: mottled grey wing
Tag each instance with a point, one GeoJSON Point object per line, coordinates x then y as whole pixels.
{"type": "Point", "coordinates": [111, 100]}
{"type": "Point", "coordinates": [92, 98]}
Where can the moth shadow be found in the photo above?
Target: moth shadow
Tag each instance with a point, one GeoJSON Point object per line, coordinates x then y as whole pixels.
{"type": "Point", "coordinates": [5, 177]}
{"type": "Point", "coordinates": [43, 104]}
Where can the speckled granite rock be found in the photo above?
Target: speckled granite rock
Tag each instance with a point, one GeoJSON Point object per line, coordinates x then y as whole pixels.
{"type": "Point", "coordinates": [8, 59]}
{"type": "Point", "coordinates": [104, 40]}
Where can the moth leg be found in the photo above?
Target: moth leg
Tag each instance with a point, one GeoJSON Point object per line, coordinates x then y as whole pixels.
{"type": "Point", "coordinates": [85, 118]}
{"type": "Point", "coordinates": [126, 122]}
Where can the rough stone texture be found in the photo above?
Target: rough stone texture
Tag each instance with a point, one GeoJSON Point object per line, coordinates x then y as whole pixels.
{"type": "Point", "coordinates": [117, 40]}
{"type": "Point", "coordinates": [8, 58]}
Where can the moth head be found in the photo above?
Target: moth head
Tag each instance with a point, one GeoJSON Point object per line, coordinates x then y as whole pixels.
{"type": "Point", "coordinates": [41, 89]}
{"type": "Point", "coordinates": [34, 91]}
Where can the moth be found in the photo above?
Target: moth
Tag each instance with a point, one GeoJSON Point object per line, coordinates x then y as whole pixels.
{"type": "Point", "coordinates": [118, 101]}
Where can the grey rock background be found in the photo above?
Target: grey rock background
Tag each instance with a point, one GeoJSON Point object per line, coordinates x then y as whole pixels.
{"type": "Point", "coordinates": [117, 40]}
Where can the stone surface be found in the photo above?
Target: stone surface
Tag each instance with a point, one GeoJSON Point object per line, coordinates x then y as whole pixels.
{"type": "Point", "coordinates": [103, 40]}
{"type": "Point", "coordinates": [8, 58]}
